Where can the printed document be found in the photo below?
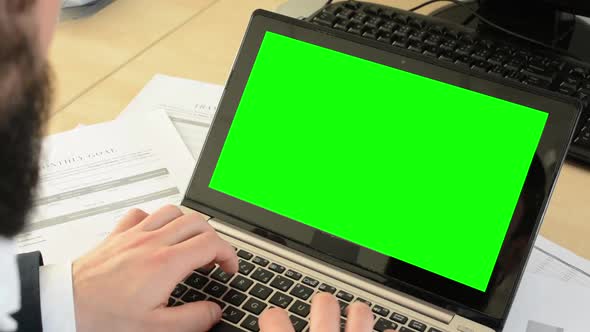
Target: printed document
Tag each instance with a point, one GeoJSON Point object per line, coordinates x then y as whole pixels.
{"type": "Point", "coordinates": [93, 175]}
{"type": "Point", "coordinates": [190, 105]}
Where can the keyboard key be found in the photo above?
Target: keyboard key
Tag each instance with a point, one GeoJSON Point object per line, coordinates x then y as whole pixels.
{"type": "Point", "coordinates": [399, 318]}
{"type": "Point", "coordinates": [383, 324]}
{"type": "Point", "coordinates": [302, 292]}
{"type": "Point", "coordinates": [432, 329]}
{"type": "Point", "coordinates": [355, 28]}
{"type": "Point", "coordinates": [219, 303]}
{"type": "Point", "coordinates": [205, 270]}
{"type": "Point", "coordinates": [193, 296]}
{"type": "Point", "coordinates": [364, 301]}
{"type": "Point", "coordinates": [226, 327]}
{"type": "Point", "coordinates": [342, 324]}
{"type": "Point", "coordinates": [260, 261]}
{"type": "Point", "coordinates": [343, 306]}
{"type": "Point", "coordinates": [215, 289]}
{"type": "Point", "coordinates": [345, 296]}
{"type": "Point", "coordinates": [310, 282]}
{"type": "Point", "coordinates": [405, 329]}
{"type": "Point", "coordinates": [241, 283]}
{"type": "Point", "coordinates": [345, 13]}
{"type": "Point", "coordinates": [254, 306]}
{"type": "Point", "coordinates": [300, 308]}
{"type": "Point", "coordinates": [327, 288]}
{"type": "Point", "coordinates": [232, 314]}
{"type": "Point", "coordinates": [245, 267]}
{"type": "Point", "coordinates": [245, 255]}
{"type": "Point", "coordinates": [234, 297]}
{"type": "Point", "coordinates": [416, 325]}
{"type": "Point", "coordinates": [341, 24]}
{"type": "Point", "coordinates": [326, 19]}
{"type": "Point", "coordinates": [171, 302]}
{"type": "Point", "coordinates": [282, 283]}
{"type": "Point", "coordinates": [251, 323]}
{"type": "Point", "coordinates": [276, 267]}
{"type": "Point", "coordinates": [281, 300]}
{"type": "Point", "coordinates": [179, 290]}
{"type": "Point", "coordinates": [262, 275]}
{"type": "Point", "coordinates": [221, 275]}
{"type": "Point", "coordinates": [379, 310]}
{"type": "Point", "coordinates": [298, 323]}
{"type": "Point", "coordinates": [196, 281]}
{"type": "Point", "coordinates": [293, 275]}
{"type": "Point", "coordinates": [359, 18]}
{"type": "Point", "coordinates": [178, 303]}
{"type": "Point", "coordinates": [260, 291]}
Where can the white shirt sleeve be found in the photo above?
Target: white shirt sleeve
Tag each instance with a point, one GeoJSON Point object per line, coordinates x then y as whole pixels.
{"type": "Point", "coordinates": [57, 298]}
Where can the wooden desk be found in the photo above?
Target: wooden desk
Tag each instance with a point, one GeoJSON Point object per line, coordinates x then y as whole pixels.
{"type": "Point", "coordinates": [102, 62]}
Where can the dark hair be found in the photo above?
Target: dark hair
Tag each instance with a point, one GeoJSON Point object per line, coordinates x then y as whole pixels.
{"type": "Point", "coordinates": [24, 102]}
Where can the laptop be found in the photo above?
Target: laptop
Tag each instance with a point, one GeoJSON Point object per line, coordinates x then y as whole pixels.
{"type": "Point", "coordinates": [337, 164]}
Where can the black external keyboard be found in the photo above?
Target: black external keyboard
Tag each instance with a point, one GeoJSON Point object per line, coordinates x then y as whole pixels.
{"type": "Point", "coordinates": [460, 46]}
{"type": "Point", "coordinates": [261, 284]}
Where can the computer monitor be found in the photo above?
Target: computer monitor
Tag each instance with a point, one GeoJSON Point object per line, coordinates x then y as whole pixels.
{"type": "Point", "coordinates": [559, 23]}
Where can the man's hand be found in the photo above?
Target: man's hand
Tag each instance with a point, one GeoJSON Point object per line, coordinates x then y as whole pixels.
{"type": "Point", "coordinates": [325, 317]}
{"type": "Point", "coordinates": [124, 284]}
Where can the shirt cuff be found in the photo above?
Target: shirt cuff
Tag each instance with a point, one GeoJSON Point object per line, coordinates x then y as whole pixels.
{"type": "Point", "coordinates": [57, 298]}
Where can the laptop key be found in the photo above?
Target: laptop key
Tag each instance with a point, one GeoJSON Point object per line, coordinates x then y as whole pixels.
{"type": "Point", "coordinates": [193, 296]}
{"type": "Point", "coordinates": [345, 296]}
{"type": "Point", "coordinates": [293, 275]}
{"type": "Point", "coordinates": [245, 255]}
{"type": "Point", "coordinates": [342, 324]}
{"type": "Point", "coordinates": [364, 301]}
{"type": "Point", "coordinates": [260, 261]}
{"type": "Point", "coordinates": [343, 306]}
{"type": "Point", "coordinates": [298, 323]}
{"type": "Point", "coordinates": [282, 283]}
{"type": "Point", "coordinates": [327, 288]}
{"type": "Point", "coordinates": [379, 310]}
{"type": "Point", "coordinates": [310, 282]}
{"type": "Point", "coordinates": [221, 275]}
{"type": "Point", "coordinates": [241, 283]}
{"type": "Point", "coordinates": [196, 281]}
{"type": "Point", "coordinates": [205, 270]}
{"type": "Point", "coordinates": [300, 308]}
{"type": "Point", "coordinates": [254, 306]}
{"type": "Point", "coordinates": [260, 291]}
{"type": "Point", "coordinates": [225, 327]}
{"type": "Point", "coordinates": [251, 323]}
{"type": "Point", "coordinates": [215, 289]}
{"type": "Point", "coordinates": [432, 329]}
{"type": "Point", "coordinates": [281, 300]}
{"type": "Point", "coordinates": [399, 318]}
{"type": "Point", "coordinates": [382, 324]}
{"type": "Point", "coordinates": [219, 303]}
{"type": "Point", "coordinates": [262, 275]}
{"type": "Point", "coordinates": [232, 314]}
{"type": "Point", "coordinates": [179, 290]}
{"type": "Point", "coordinates": [416, 325]}
{"type": "Point", "coordinates": [245, 267]}
{"type": "Point", "coordinates": [302, 292]}
{"type": "Point", "coordinates": [171, 302]}
{"type": "Point", "coordinates": [234, 297]}
{"type": "Point", "coordinates": [276, 267]}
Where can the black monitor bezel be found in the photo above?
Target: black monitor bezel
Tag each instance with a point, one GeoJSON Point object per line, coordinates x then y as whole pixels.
{"type": "Point", "coordinates": [563, 114]}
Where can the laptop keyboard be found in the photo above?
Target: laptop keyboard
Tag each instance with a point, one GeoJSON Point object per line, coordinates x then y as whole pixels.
{"type": "Point", "coordinates": [261, 284]}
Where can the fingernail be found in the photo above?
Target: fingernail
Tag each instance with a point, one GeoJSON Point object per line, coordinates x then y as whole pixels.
{"type": "Point", "coordinates": [215, 310]}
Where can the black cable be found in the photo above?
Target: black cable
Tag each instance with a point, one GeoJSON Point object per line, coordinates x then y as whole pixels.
{"type": "Point", "coordinates": [495, 26]}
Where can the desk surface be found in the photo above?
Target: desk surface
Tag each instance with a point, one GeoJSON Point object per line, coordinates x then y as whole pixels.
{"type": "Point", "coordinates": [103, 61]}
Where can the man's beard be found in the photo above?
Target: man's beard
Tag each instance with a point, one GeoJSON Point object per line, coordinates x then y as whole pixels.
{"type": "Point", "coordinates": [22, 120]}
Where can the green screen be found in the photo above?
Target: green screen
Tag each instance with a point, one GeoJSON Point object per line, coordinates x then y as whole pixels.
{"type": "Point", "coordinates": [413, 168]}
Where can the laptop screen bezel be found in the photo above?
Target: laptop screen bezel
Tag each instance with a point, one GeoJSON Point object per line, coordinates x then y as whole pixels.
{"type": "Point", "coordinates": [490, 307]}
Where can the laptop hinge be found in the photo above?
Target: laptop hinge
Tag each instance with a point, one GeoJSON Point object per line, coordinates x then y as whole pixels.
{"type": "Point", "coordinates": [341, 275]}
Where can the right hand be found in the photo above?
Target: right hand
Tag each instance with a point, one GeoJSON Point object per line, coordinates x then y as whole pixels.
{"type": "Point", "coordinates": [325, 317]}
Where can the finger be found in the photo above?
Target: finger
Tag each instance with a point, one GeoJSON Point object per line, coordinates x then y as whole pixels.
{"type": "Point", "coordinates": [360, 318]}
{"type": "Point", "coordinates": [184, 228]}
{"type": "Point", "coordinates": [130, 219]}
{"type": "Point", "coordinates": [275, 320]}
{"type": "Point", "coordinates": [160, 218]}
{"type": "Point", "coordinates": [325, 313]}
{"type": "Point", "coordinates": [190, 317]}
{"type": "Point", "coordinates": [201, 250]}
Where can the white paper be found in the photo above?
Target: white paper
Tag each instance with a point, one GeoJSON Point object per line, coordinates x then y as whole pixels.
{"type": "Point", "coordinates": [553, 261]}
{"type": "Point", "coordinates": [190, 105]}
{"type": "Point", "coordinates": [92, 175]}
{"type": "Point", "coordinates": [547, 305]}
